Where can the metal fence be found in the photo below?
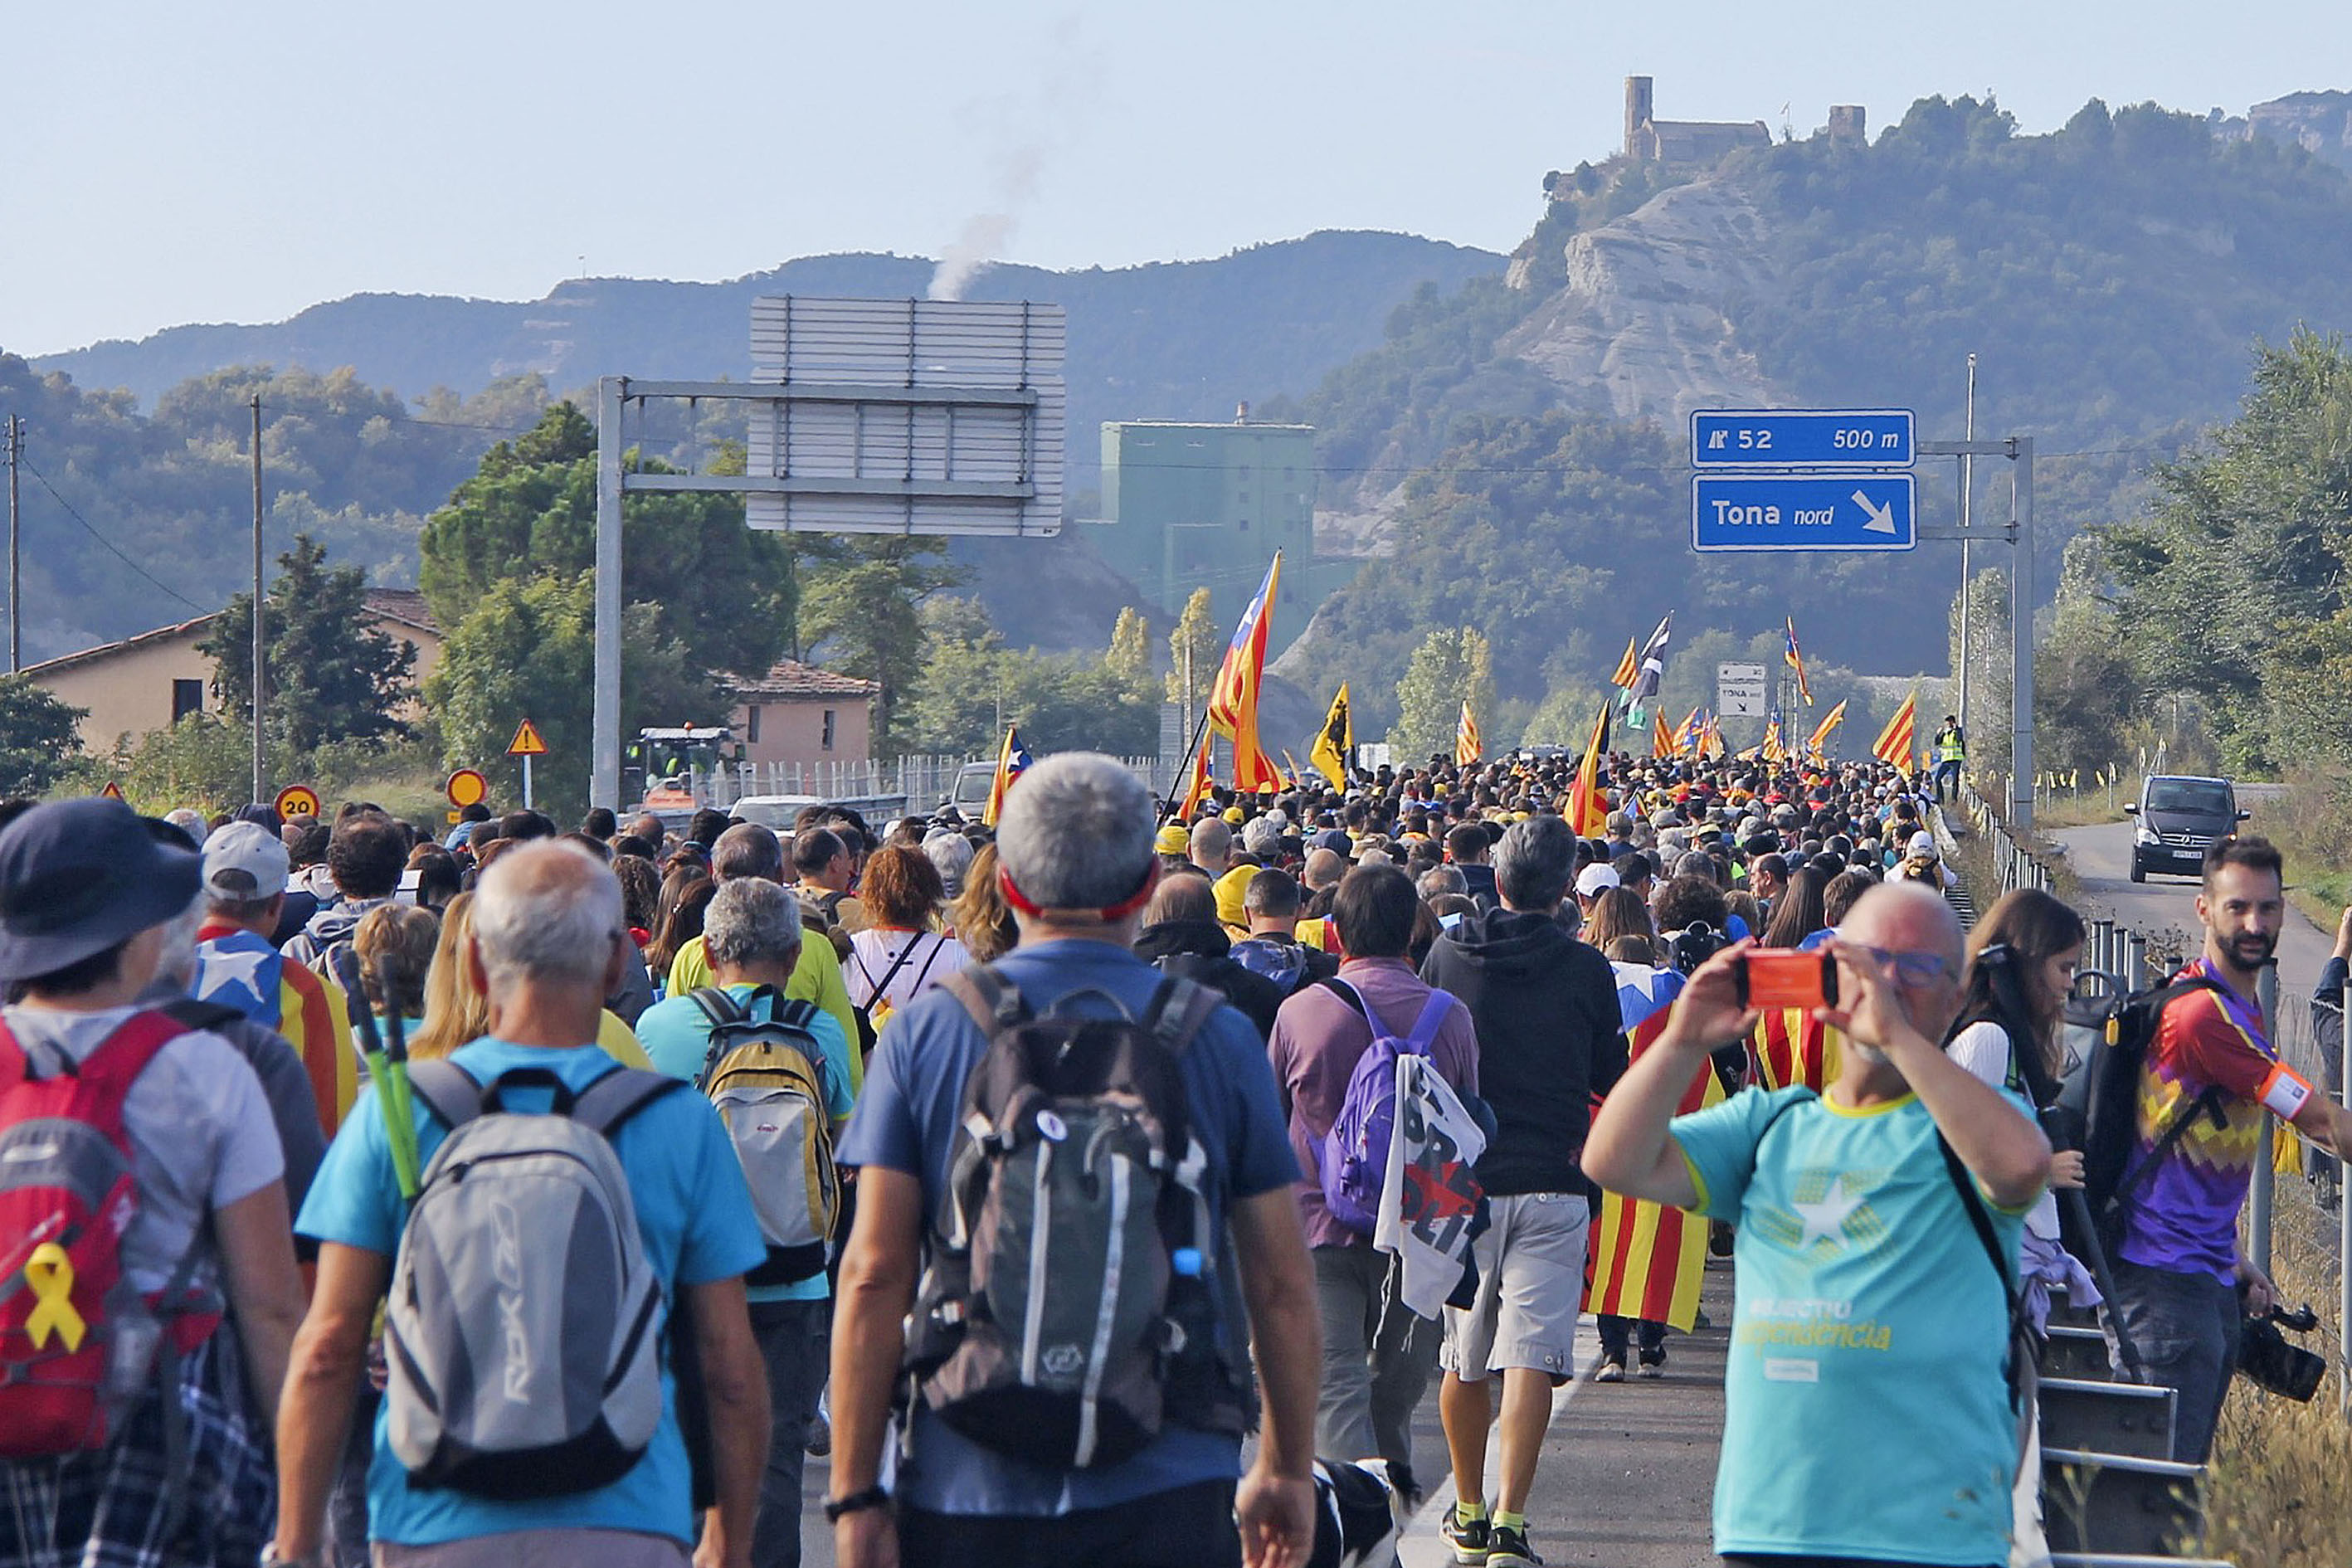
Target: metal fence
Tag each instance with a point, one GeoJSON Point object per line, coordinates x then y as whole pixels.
{"type": "Point", "coordinates": [924, 782]}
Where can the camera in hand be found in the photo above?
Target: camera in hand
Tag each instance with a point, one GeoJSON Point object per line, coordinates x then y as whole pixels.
{"type": "Point", "coordinates": [1785, 977]}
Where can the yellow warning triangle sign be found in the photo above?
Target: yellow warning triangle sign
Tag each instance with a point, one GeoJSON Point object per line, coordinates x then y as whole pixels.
{"type": "Point", "coordinates": [113, 791]}
{"type": "Point", "coordinates": [526, 743]}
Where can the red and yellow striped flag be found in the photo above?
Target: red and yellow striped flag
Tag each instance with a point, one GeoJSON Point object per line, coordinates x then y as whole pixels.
{"type": "Point", "coordinates": [1199, 791]}
{"type": "Point", "coordinates": [1628, 668]}
{"type": "Point", "coordinates": [1822, 732]}
{"type": "Point", "coordinates": [1588, 802]}
{"type": "Point", "coordinates": [1661, 739]}
{"type": "Point", "coordinates": [1897, 743]}
{"type": "Point", "coordinates": [1646, 1260]}
{"type": "Point", "coordinates": [1233, 699]}
{"type": "Point", "coordinates": [1467, 747]}
{"type": "Point", "coordinates": [1791, 1047]}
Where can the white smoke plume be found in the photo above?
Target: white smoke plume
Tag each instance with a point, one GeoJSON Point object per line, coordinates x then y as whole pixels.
{"type": "Point", "coordinates": [1065, 89]}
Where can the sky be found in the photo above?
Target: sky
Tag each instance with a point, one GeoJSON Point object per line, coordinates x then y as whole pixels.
{"type": "Point", "coordinates": [239, 161]}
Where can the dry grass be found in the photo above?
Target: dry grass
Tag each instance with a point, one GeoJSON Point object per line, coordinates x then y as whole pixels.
{"type": "Point", "coordinates": [2280, 1494]}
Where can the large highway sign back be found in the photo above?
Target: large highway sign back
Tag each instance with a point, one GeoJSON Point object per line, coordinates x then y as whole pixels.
{"type": "Point", "coordinates": [1843, 438]}
{"type": "Point", "coordinates": [1804, 511]}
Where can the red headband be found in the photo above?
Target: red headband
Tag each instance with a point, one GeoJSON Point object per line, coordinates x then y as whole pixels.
{"type": "Point", "coordinates": [1117, 912]}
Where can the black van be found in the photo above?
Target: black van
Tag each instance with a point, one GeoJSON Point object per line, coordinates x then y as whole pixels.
{"type": "Point", "coordinates": [2180, 818]}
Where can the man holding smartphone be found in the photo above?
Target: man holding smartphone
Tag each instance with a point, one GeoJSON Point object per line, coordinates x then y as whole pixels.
{"type": "Point", "coordinates": [1870, 1319]}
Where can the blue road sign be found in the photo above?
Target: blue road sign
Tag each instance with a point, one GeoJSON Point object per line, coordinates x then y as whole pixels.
{"type": "Point", "coordinates": [1804, 511]}
{"type": "Point", "coordinates": [1843, 439]}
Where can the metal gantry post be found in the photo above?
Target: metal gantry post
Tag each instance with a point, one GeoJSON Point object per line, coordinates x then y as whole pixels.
{"type": "Point", "coordinates": [604, 732]}
{"type": "Point", "coordinates": [2020, 634]}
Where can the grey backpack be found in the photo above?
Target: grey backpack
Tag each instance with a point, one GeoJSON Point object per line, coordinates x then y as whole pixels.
{"type": "Point", "coordinates": [523, 1334]}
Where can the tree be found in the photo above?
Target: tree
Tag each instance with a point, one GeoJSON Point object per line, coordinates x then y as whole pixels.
{"type": "Point", "coordinates": [861, 609]}
{"type": "Point", "coordinates": [1451, 665]}
{"type": "Point", "coordinates": [1129, 658]}
{"type": "Point", "coordinates": [331, 675]}
{"type": "Point", "coordinates": [39, 738]}
{"type": "Point", "coordinates": [1194, 650]}
{"type": "Point", "coordinates": [724, 591]}
{"type": "Point", "coordinates": [970, 681]}
{"type": "Point", "coordinates": [528, 651]}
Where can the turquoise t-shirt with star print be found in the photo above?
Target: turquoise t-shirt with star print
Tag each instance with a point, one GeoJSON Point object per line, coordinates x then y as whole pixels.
{"type": "Point", "coordinates": [1867, 1415]}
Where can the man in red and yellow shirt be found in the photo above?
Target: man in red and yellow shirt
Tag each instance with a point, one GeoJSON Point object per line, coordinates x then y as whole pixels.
{"type": "Point", "coordinates": [245, 869]}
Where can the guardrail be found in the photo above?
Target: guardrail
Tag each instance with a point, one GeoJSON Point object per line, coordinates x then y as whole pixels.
{"type": "Point", "coordinates": [2017, 863]}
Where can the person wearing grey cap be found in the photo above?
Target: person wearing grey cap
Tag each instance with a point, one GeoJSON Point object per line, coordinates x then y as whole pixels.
{"type": "Point", "coordinates": [245, 879]}
{"type": "Point", "coordinates": [88, 891]}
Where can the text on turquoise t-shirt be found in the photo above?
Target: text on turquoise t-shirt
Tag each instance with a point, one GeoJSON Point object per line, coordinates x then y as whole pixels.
{"type": "Point", "coordinates": [694, 1215]}
{"type": "Point", "coordinates": [675, 1035]}
{"type": "Point", "coordinates": [1867, 1413]}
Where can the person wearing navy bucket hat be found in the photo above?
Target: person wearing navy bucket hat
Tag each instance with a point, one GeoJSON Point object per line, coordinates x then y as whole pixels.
{"type": "Point", "coordinates": [138, 1153]}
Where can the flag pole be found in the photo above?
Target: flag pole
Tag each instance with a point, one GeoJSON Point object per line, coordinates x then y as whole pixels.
{"type": "Point", "coordinates": [1182, 782]}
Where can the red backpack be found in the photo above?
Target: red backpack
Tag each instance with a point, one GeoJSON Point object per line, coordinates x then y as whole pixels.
{"type": "Point", "coordinates": [67, 1195]}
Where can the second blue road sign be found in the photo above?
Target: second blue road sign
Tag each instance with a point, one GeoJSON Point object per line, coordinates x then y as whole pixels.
{"type": "Point", "coordinates": [1804, 511]}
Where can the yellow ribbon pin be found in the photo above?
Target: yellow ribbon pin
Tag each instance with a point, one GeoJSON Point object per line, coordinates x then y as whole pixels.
{"type": "Point", "coordinates": [50, 1273]}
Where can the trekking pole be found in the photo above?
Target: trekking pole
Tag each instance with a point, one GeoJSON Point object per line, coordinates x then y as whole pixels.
{"type": "Point", "coordinates": [2078, 1207]}
{"type": "Point", "coordinates": [391, 1082]}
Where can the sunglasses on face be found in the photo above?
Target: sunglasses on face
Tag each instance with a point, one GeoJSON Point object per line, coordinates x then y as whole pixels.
{"type": "Point", "coordinates": [1912, 968]}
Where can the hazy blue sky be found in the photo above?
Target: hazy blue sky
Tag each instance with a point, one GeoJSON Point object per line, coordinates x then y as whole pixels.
{"type": "Point", "coordinates": [238, 161]}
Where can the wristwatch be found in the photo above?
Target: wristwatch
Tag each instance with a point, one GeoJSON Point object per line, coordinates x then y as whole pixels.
{"type": "Point", "coordinates": [837, 1509]}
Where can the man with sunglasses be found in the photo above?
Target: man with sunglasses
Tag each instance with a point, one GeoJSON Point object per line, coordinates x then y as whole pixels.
{"type": "Point", "coordinates": [1871, 1328]}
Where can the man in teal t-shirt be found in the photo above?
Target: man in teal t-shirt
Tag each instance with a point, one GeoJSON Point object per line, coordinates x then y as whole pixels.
{"type": "Point", "coordinates": [549, 942]}
{"type": "Point", "coordinates": [1867, 1418]}
{"type": "Point", "coordinates": [752, 935]}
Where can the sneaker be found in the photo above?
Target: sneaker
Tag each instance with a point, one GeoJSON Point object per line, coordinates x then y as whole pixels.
{"type": "Point", "coordinates": [1469, 1537]}
{"type": "Point", "coordinates": [1654, 1367]}
{"type": "Point", "coordinates": [819, 1442]}
{"type": "Point", "coordinates": [1510, 1549]}
{"type": "Point", "coordinates": [1611, 1370]}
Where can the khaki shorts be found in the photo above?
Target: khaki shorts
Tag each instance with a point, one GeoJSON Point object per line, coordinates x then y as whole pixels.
{"type": "Point", "coordinates": [1531, 1286]}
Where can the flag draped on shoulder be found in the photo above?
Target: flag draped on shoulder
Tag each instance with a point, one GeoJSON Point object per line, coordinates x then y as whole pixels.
{"type": "Point", "coordinates": [1794, 658]}
{"type": "Point", "coordinates": [1588, 805]}
{"type": "Point", "coordinates": [1467, 747]}
{"type": "Point", "coordinates": [1335, 748]}
{"type": "Point", "coordinates": [1816, 745]}
{"type": "Point", "coordinates": [1897, 740]}
{"type": "Point", "coordinates": [1646, 1260]}
{"type": "Point", "coordinates": [1233, 701]}
{"type": "Point", "coordinates": [1013, 760]}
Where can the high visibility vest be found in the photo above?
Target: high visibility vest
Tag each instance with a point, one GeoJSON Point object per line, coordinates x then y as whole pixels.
{"type": "Point", "coordinates": [1950, 748]}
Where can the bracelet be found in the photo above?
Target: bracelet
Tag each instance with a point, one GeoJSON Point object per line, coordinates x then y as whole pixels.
{"type": "Point", "coordinates": [837, 1509]}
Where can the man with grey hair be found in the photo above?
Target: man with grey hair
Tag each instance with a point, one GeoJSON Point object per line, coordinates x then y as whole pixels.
{"type": "Point", "coordinates": [1551, 1038]}
{"type": "Point", "coordinates": [1076, 864]}
{"type": "Point", "coordinates": [752, 932]}
{"type": "Point", "coordinates": [1872, 1319]}
{"type": "Point", "coordinates": [547, 941]}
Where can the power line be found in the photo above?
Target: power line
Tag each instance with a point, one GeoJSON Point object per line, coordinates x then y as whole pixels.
{"type": "Point", "coordinates": [94, 533]}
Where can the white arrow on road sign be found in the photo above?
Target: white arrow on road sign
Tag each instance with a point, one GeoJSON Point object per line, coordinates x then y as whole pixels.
{"type": "Point", "coordinates": [1882, 513]}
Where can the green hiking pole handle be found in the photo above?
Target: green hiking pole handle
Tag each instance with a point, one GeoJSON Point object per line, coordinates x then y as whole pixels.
{"type": "Point", "coordinates": [399, 1108]}
{"type": "Point", "coordinates": [389, 1075]}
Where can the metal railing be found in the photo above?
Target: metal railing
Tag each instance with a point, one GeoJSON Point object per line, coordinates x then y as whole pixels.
{"type": "Point", "coordinates": [923, 781]}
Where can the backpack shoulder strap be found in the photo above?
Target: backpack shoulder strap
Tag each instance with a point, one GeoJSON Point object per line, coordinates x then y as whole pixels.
{"type": "Point", "coordinates": [1433, 1014]}
{"type": "Point", "coordinates": [718, 1006]}
{"type": "Point", "coordinates": [1980, 1221]}
{"type": "Point", "coordinates": [1178, 1011]}
{"type": "Point", "coordinates": [198, 1014]}
{"type": "Point", "coordinates": [449, 1091]}
{"type": "Point", "coordinates": [620, 1094]}
{"type": "Point", "coordinates": [795, 1012]}
{"type": "Point", "coordinates": [1348, 994]}
{"type": "Point", "coordinates": [995, 1003]}
{"type": "Point", "coordinates": [123, 1055]}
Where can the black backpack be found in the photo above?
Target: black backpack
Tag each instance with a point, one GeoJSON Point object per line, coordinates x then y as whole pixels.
{"type": "Point", "coordinates": [1069, 1301]}
{"type": "Point", "coordinates": [2098, 1106]}
{"type": "Point", "coordinates": [1687, 949]}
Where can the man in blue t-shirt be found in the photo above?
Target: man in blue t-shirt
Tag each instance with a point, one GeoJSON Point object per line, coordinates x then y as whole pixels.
{"type": "Point", "coordinates": [1076, 866]}
{"type": "Point", "coordinates": [548, 946]}
{"type": "Point", "coordinates": [752, 938]}
{"type": "Point", "coordinates": [1870, 1328]}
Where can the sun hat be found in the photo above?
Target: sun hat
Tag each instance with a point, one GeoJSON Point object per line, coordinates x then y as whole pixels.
{"type": "Point", "coordinates": [1922, 843]}
{"type": "Point", "coordinates": [1174, 839]}
{"type": "Point", "coordinates": [245, 862]}
{"type": "Point", "coordinates": [78, 876]}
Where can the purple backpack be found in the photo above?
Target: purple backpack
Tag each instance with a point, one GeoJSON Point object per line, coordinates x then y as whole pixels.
{"type": "Point", "coordinates": [1355, 1164]}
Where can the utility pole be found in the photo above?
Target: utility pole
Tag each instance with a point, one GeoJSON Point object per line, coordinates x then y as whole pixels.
{"type": "Point", "coordinates": [259, 778]}
{"type": "Point", "coordinates": [1968, 487]}
{"type": "Point", "coordinates": [15, 620]}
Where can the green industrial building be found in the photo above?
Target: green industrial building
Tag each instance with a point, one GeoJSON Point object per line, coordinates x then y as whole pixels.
{"type": "Point", "coordinates": [1206, 506]}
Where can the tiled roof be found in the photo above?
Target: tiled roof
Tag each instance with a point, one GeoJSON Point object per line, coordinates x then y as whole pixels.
{"type": "Point", "coordinates": [405, 605]}
{"type": "Point", "coordinates": [791, 678]}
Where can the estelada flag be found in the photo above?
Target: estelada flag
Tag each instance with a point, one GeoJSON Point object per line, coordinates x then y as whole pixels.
{"type": "Point", "coordinates": [1687, 739]}
{"type": "Point", "coordinates": [1013, 760]}
{"type": "Point", "coordinates": [1828, 726]}
{"type": "Point", "coordinates": [1233, 701]}
{"type": "Point", "coordinates": [1588, 805]}
{"type": "Point", "coordinates": [1646, 1260]}
{"type": "Point", "coordinates": [1791, 1047]}
{"type": "Point", "coordinates": [1794, 658]}
{"type": "Point", "coordinates": [1895, 743]}
{"type": "Point", "coordinates": [1773, 749]}
{"type": "Point", "coordinates": [1628, 668]}
{"type": "Point", "coordinates": [1467, 747]}
{"type": "Point", "coordinates": [1336, 743]}
{"type": "Point", "coordinates": [1661, 740]}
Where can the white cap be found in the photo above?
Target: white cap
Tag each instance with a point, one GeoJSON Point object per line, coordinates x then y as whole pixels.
{"type": "Point", "coordinates": [1922, 843]}
{"type": "Point", "coordinates": [244, 861]}
{"type": "Point", "coordinates": [1595, 878]}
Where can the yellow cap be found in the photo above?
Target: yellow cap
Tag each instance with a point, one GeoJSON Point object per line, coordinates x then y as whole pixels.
{"type": "Point", "coordinates": [1234, 815]}
{"type": "Point", "coordinates": [1174, 839]}
{"type": "Point", "coordinates": [1231, 886]}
